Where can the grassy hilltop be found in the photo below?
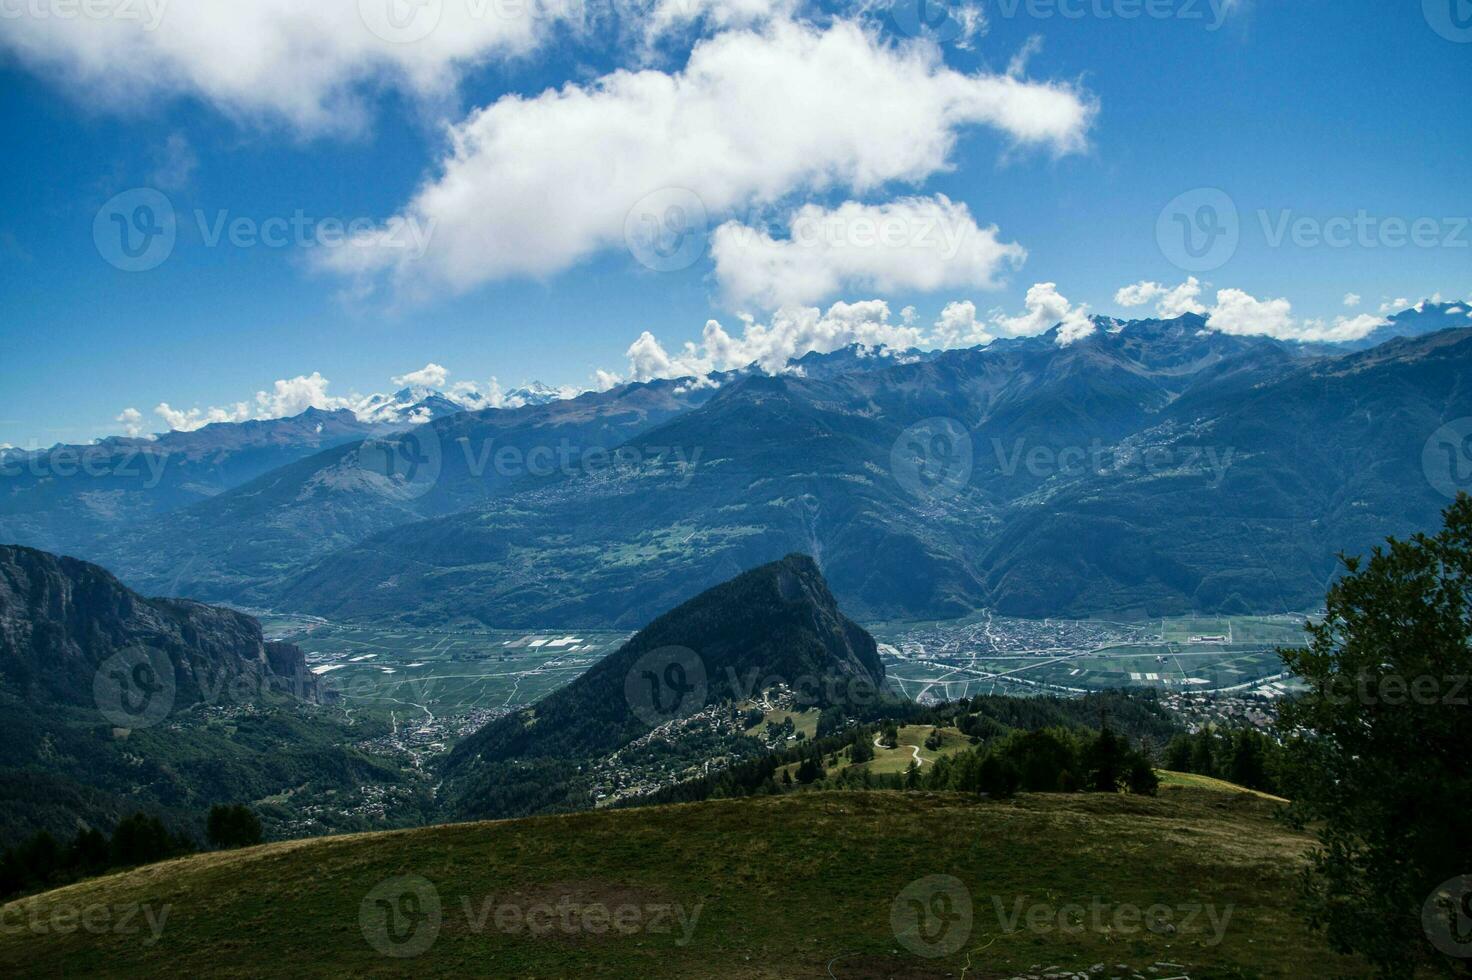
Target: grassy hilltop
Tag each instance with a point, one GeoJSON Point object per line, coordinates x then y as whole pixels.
{"type": "Point", "coordinates": [791, 886]}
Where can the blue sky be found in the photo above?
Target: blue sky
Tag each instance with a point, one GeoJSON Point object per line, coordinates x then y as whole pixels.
{"type": "Point", "coordinates": [1310, 109]}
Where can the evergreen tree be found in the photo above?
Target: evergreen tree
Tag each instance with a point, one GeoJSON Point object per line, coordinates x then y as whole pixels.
{"type": "Point", "coordinates": [141, 839]}
{"type": "Point", "coordinates": [1106, 762]}
{"type": "Point", "coordinates": [88, 853]}
{"type": "Point", "coordinates": [233, 826]}
{"type": "Point", "coordinates": [1203, 754]}
{"type": "Point", "coordinates": [1178, 754]}
{"type": "Point", "coordinates": [997, 778]}
{"type": "Point", "coordinates": [912, 775]}
{"type": "Point", "coordinates": [1377, 748]}
{"type": "Point", "coordinates": [810, 771]}
{"type": "Point", "coordinates": [1141, 779]}
{"type": "Point", "coordinates": [1248, 766]}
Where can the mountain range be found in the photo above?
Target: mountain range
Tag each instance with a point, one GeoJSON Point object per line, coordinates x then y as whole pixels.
{"type": "Point", "coordinates": [67, 497]}
{"type": "Point", "coordinates": [1160, 468]}
{"type": "Point", "coordinates": [1155, 466]}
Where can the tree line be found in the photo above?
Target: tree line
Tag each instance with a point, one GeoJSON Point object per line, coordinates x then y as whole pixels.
{"type": "Point", "coordinates": [43, 862]}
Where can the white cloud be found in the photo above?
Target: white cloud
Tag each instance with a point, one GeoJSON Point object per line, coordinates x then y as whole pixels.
{"type": "Point", "coordinates": [429, 376]}
{"type": "Point", "coordinates": [1044, 309]}
{"type": "Point", "coordinates": [1017, 67]}
{"type": "Point", "coordinates": [791, 333]}
{"type": "Point", "coordinates": [1240, 314]}
{"type": "Point", "coordinates": [308, 64]}
{"type": "Point", "coordinates": [1352, 299]}
{"type": "Point", "coordinates": [795, 331]}
{"type": "Point", "coordinates": [914, 243]}
{"type": "Point", "coordinates": [1394, 305]}
{"type": "Point", "coordinates": [1342, 329]}
{"type": "Point", "coordinates": [533, 185]}
{"type": "Point", "coordinates": [195, 418]}
{"type": "Point", "coordinates": [663, 17]}
{"type": "Point", "coordinates": [132, 422]}
{"type": "Point", "coordinates": [958, 327]}
{"type": "Point", "coordinates": [1170, 302]}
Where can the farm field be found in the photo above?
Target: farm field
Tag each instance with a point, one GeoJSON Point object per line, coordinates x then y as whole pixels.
{"type": "Point", "coordinates": [440, 673]}
{"type": "Point", "coordinates": [986, 654]}
{"type": "Point", "coordinates": [392, 671]}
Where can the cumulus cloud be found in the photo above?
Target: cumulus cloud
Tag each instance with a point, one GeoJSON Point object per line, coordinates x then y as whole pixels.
{"type": "Point", "coordinates": [1352, 299]}
{"type": "Point", "coordinates": [791, 333]}
{"type": "Point", "coordinates": [1170, 302]}
{"type": "Point", "coordinates": [429, 376]}
{"type": "Point", "coordinates": [795, 331]}
{"type": "Point", "coordinates": [132, 422]}
{"type": "Point", "coordinates": [1045, 308]}
{"type": "Point", "coordinates": [914, 243]}
{"type": "Point", "coordinates": [309, 65]}
{"type": "Point", "coordinates": [958, 327]}
{"type": "Point", "coordinates": [1242, 314]}
{"type": "Point", "coordinates": [533, 185]}
{"type": "Point", "coordinates": [663, 17]}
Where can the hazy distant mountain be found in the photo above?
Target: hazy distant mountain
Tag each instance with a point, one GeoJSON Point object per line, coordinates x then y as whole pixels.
{"type": "Point", "coordinates": [68, 497]}
{"type": "Point", "coordinates": [823, 466]}
{"type": "Point", "coordinates": [227, 546]}
{"type": "Point", "coordinates": [775, 623]}
{"type": "Point", "coordinates": [528, 517]}
{"type": "Point", "coordinates": [1424, 318]}
{"type": "Point", "coordinates": [65, 498]}
{"type": "Point", "coordinates": [1330, 458]}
